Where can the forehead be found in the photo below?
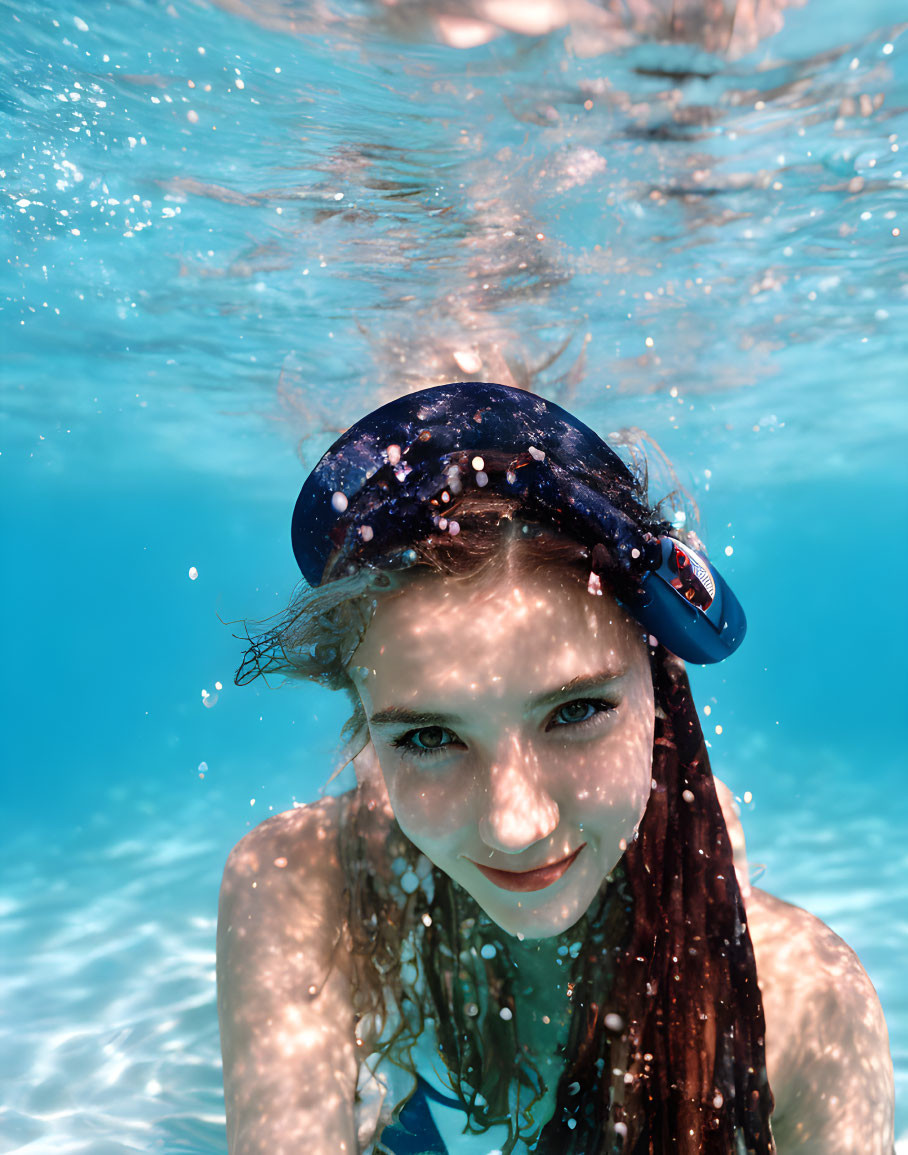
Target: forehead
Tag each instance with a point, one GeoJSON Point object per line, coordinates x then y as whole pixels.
{"type": "Point", "coordinates": [508, 635]}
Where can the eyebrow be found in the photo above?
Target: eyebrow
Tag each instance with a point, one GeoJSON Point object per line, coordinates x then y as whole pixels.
{"type": "Point", "coordinates": [584, 683]}
{"type": "Point", "coordinates": [579, 685]}
{"type": "Point", "coordinates": [400, 716]}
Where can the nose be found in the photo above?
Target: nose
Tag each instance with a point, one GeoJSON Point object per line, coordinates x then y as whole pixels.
{"type": "Point", "coordinates": [518, 810]}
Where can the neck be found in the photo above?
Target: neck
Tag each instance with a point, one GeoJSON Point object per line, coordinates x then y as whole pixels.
{"type": "Point", "coordinates": [542, 960]}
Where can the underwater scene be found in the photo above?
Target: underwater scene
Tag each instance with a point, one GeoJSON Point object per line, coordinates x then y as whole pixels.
{"type": "Point", "coordinates": [230, 229]}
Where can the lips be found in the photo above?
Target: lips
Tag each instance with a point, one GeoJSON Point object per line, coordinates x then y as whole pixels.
{"type": "Point", "coordinates": [527, 880]}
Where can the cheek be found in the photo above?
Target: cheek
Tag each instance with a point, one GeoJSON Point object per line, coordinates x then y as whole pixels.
{"type": "Point", "coordinates": [611, 784]}
{"type": "Point", "coordinates": [430, 806]}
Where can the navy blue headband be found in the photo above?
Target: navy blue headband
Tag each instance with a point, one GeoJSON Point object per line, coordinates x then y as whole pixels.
{"type": "Point", "coordinates": [386, 483]}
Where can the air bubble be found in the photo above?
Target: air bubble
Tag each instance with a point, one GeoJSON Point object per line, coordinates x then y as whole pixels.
{"type": "Point", "coordinates": [467, 360]}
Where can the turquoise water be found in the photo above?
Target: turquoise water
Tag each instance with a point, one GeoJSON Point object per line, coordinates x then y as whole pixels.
{"type": "Point", "coordinates": [226, 239]}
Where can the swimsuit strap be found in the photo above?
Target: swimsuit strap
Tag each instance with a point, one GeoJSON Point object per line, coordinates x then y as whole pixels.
{"type": "Point", "coordinates": [415, 1132]}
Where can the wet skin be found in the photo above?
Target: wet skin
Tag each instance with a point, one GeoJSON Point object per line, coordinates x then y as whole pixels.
{"type": "Point", "coordinates": [532, 704]}
{"type": "Point", "coordinates": [512, 720]}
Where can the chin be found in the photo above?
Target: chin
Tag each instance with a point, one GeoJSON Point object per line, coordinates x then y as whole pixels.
{"type": "Point", "coordinates": [537, 915]}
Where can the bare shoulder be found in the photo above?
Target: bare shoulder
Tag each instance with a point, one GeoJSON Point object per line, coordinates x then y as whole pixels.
{"type": "Point", "coordinates": [282, 882]}
{"type": "Point", "coordinates": [827, 1047]}
{"type": "Point", "coordinates": [284, 1002]}
{"type": "Point", "coordinates": [295, 846]}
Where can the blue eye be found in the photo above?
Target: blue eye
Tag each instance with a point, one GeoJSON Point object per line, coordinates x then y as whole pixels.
{"type": "Point", "coordinates": [576, 713]}
{"type": "Point", "coordinates": [429, 740]}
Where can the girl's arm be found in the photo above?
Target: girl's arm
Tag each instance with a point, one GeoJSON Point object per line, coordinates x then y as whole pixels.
{"type": "Point", "coordinates": [827, 1048]}
{"type": "Point", "coordinates": [287, 1033]}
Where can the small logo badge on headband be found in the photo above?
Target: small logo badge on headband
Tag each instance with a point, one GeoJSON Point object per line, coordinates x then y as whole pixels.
{"type": "Point", "coordinates": [691, 577]}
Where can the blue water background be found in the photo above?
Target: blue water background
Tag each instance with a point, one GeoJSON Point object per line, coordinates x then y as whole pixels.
{"type": "Point", "coordinates": [204, 284]}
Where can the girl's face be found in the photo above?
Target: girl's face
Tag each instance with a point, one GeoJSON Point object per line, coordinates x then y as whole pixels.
{"type": "Point", "coordinates": [512, 718]}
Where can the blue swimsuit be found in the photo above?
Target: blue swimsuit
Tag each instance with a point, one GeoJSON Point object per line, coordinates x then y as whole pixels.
{"type": "Point", "coordinates": [415, 1133]}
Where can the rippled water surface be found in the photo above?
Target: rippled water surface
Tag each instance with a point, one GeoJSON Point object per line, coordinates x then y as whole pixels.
{"type": "Point", "coordinates": [232, 228]}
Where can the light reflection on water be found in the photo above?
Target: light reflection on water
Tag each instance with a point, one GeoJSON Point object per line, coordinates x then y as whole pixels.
{"type": "Point", "coordinates": [231, 235]}
{"type": "Point", "coordinates": [360, 216]}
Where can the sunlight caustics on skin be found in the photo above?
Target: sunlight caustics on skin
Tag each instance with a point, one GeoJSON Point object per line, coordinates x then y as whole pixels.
{"type": "Point", "coordinates": [284, 992]}
{"type": "Point", "coordinates": [813, 986]}
{"type": "Point", "coordinates": [492, 666]}
{"type": "Point", "coordinates": [768, 184]}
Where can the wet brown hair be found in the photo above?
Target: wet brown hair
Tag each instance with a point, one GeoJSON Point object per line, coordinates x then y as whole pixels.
{"type": "Point", "coordinates": [665, 1046]}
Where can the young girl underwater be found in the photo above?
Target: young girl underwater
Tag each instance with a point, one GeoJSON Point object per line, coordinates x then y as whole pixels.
{"type": "Point", "coordinates": [523, 930]}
